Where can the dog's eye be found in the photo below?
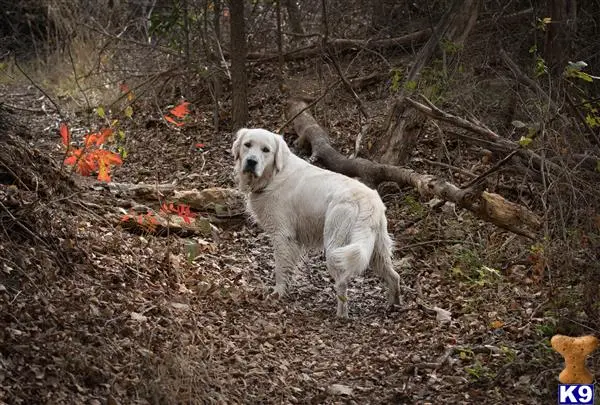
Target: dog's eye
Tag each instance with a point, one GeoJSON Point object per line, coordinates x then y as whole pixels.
{"type": "Point", "coordinates": [248, 144]}
{"type": "Point", "coordinates": [266, 150]}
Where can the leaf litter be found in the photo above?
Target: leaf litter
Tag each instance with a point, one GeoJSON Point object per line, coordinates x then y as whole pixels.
{"type": "Point", "coordinates": [108, 316]}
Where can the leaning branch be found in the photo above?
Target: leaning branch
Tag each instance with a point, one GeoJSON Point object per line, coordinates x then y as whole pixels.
{"type": "Point", "coordinates": [487, 206]}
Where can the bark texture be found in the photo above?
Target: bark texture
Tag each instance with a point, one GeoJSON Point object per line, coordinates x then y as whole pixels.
{"type": "Point", "coordinates": [239, 80]}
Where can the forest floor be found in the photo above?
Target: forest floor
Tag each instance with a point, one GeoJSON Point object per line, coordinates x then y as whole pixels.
{"type": "Point", "coordinates": [136, 322]}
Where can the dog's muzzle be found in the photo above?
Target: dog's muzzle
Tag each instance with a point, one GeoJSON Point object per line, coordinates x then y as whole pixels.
{"type": "Point", "coordinates": [250, 165]}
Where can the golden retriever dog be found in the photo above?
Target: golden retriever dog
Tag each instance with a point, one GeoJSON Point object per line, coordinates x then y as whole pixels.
{"type": "Point", "coordinates": [303, 207]}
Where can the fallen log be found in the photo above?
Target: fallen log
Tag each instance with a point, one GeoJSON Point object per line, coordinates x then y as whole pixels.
{"type": "Point", "coordinates": [221, 202]}
{"type": "Point", "coordinates": [487, 206]}
{"type": "Point", "coordinates": [208, 206]}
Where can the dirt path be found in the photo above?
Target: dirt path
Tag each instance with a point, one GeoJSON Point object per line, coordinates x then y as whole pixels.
{"type": "Point", "coordinates": [138, 322]}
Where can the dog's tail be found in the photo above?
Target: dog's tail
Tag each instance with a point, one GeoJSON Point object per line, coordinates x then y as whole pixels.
{"type": "Point", "coordinates": [355, 257]}
{"type": "Point", "coordinates": [381, 263]}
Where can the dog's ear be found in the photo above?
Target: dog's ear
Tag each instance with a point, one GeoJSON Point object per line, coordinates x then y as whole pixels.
{"type": "Point", "coordinates": [235, 149]}
{"type": "Point", "coordinates": [282, 153]}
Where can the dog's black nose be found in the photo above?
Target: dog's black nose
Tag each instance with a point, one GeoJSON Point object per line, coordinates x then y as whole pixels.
{"type": "Point", "coordinates": [250, 165]}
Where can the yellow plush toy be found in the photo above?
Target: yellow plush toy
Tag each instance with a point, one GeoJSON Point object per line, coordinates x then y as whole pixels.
{"type": "Point", "coordinates": [575, 350]}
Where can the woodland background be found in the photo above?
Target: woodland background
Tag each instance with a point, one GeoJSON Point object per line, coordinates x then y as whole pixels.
{"type": "Point", "coordinates": [130, 274]}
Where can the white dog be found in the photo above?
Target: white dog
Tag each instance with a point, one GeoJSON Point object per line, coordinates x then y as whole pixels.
{"type": "Point", "coordinates": [302, 206]}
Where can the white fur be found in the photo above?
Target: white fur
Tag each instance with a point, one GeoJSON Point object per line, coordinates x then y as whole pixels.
{"type": "Point", "coordinates": [302, 206]}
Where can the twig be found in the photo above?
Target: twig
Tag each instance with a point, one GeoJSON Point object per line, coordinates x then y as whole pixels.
{"type": "Point", "coordinates": [87, 101]}
{"type": "Point", "coordinates": [347, 84]}
{"type": "Point", "coordinates": [309, 35]}
{"type": "Point", "coordinates": [582, 119]}
{"type": "Point", "coordinates": [30, 232]}
{"type": "Point", "coordinates": [134, 42]}
{"type": "Point", "coordinates": [40, 89]}
{"type": "Point", "coordinates": [31, 110]}
{"type": "Point", "coordinates": [491, 170]}
{"type": "Point", "coordinates": [445, 166]}
{"type": "Point", "coordinates": [435, 112]}
{"type": "Point", "coordinates": [327, 90]}
{"type": "Point", "coordinates": [14, 175]}
{"type": "Point", "coordinates": [436, 241]}
{"type": "Point", "coordinates": [358, 140]}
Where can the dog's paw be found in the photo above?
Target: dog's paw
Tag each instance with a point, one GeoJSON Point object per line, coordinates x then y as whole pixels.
{"type": "Point", "coordinates": [276, 294]}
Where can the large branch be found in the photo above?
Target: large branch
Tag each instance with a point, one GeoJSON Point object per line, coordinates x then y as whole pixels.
{"type": "Point", "coordinates": [487, 206]}
{"type": "Point", "coordinates": [345, 44]}
{"type": "Point", "coordinates": [434, 112]}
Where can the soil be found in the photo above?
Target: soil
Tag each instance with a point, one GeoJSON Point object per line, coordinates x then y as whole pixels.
{"type": "Point", "coordinates": [94, 314]}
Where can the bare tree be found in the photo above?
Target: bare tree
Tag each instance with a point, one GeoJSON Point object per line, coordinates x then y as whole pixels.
{"type": "Point", "coordinates": [558, 44]}
{"type": "Point", "coordinates": [294, 15]}
{"type": "Point", "coordinates": [402, 127]}
{"type": "Point", "coordinates": [239, 80]}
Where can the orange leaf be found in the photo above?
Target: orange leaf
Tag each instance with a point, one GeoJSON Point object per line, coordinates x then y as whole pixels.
{"type": "Point", "coordinates": [73, 156]}
{"type": "Point", "coordinates": [496, 324]}
{"type": "Point", "coordinates": [172, 121]}
{"type": "Point", "coordinates": [108, 157]}
{"type": "Point", "coordinates": [91, 138]}
{"type": "Point", "coordinates": [65, 134]}
{"type": "Point", "coordinates": [104, 135]}
{"type": "Point", "coordinates": [105, 159]}
{"type": "Point", "coordinates": [181, 110]}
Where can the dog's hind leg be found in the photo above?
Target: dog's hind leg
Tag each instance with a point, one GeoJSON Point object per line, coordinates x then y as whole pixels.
{"type": "Point", "coordinates": [347, 250]}
{"type": "Point", "coordinates": [383, 267]}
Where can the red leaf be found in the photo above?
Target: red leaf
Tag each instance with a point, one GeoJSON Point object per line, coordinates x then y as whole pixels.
{"type": "Point", "coordinates": [181, 110]}
{"type": "Point", "coordinates": [91, 138]}
{"type": "Point", "coordinates": [104, 135]}
{"type": "Point", "coordinates": [172, 121]}
{"type": "Point", "coordinates": [200, 145]}
{"type": "Point", "coordinates": [125, 218]}
{"type": "Point", "coordinates": [124, 87]}
{"type": "Point", "coordinates": [164, 209]}
{"type": "Point", "coordinates": [72, 158]}
{"type": "Point", "coordinates": [65, 134]}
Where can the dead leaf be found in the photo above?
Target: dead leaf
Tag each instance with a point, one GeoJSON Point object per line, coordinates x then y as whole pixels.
{"type": "Point", "coordinates": [442, 315]}
{"type": "Point", "coordinates": [496, 324]}
{"type": "Point", "coordinates": [339, 389]}
{"type": "Point", "coordinates": [178, 305]}
{"type": "Point", "coordinates": [138, 317]}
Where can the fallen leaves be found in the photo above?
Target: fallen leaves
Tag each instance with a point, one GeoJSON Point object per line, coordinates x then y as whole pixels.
{"type": "Point", "coordinates": [65, 134]}
{"type": "Point", "coordinates": [442, 315]}
{"type": "Point", "coordinates": [339, 389]}
{"type": "Point", "coordinates": [91, 157]}
{"type": "Point", "coordinates": [181, 111]}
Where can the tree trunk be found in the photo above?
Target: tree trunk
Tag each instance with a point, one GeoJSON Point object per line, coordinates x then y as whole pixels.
{"type": "Point", "coordinates": [557, 45]}
{"type": "Point", "coordinates": [239, 80]}
{"type": "Point", "coordinates": [487, 206]}
{"type": "Point", "coordinates": [294, 15]}
{"type": "Point", "coordinates": [217, 19]}
{"type": "Point", "coordinates": [404, 127]}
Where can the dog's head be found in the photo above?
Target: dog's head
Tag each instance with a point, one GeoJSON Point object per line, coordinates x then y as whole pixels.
{"type": "Point", "coordinates": [259, 155]}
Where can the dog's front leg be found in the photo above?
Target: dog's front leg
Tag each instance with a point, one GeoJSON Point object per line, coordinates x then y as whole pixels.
{"type": "Point", "coordinates": [287, 252]}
